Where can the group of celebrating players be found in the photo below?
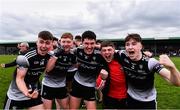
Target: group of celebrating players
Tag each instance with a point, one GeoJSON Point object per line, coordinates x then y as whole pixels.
{"type": "Point", "coordinates": [125, 77]}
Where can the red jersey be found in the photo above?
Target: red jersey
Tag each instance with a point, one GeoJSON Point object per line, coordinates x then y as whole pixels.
{"type": "Point", "coordinates": [118, 88]}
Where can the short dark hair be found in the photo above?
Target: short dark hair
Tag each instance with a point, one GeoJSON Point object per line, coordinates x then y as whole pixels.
{"type": "Point", "coordinates": [98, 41]}
{"type": "Point", "coordinates": [67, 35]}
{"type": "Point", "coordinates": [88, 35]}
{"type": "Point", "coordinates": [78, 37]}
{"type": "Point", "coordinates": [55, 39]}
{"type": "Point", "coordinates": [45, 35]}
{"type": "Point", "coordinates": [107, 43]}
{"type": "Point", "coordinates": [136, 37]}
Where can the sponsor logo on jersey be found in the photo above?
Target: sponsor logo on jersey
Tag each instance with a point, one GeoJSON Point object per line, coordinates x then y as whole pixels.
{"type": "Point", "coordinates": [133, 65]}
{"type": "Point", "coordinates": [35, 73]}
{"type": "Point", "coordinates": [36, 62]}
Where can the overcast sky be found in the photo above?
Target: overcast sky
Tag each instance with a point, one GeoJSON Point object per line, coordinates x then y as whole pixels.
{"type": "Point", "coordinates": [22, 20]}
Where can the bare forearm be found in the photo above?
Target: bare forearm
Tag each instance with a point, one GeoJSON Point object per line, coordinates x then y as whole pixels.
{"type": "Point", "coordinates": [175, 76]}
{"type": "Point", "coordinates": [50, 64]}
{"type": "Point", "coordinates": [22, 86]}
{"type": "Point", "coordinates": [172, 74]}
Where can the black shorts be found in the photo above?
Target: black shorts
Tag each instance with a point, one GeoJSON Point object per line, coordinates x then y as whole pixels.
{"type": "Point", "coordinates": [14, 104]}
{"type": "Point", "coordinates": [80, 91]}
{"type": "Point", "coordinates": [113, 103]}
{"type": "Point", "coordinates": [135, 104]}
{"type": "Point", "coordinates": [70, 76]}
{"type": "Point", "coordinates": [53, 93]}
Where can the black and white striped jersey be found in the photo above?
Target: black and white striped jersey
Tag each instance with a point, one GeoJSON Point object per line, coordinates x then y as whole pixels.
{"type": "Point", "coordinates": [89, 67]}
{"type": "Point", "coordinates": [35, 64]}
{"type": "Point", "coordinates": [57, 77]}
{"type": "Point", "coordinates": [140, 76]}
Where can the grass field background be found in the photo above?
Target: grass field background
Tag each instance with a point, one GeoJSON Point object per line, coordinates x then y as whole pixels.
{"type": "Point", "coordinates": [168, 96]}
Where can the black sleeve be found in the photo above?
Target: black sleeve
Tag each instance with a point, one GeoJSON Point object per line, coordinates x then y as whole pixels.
{"type": "Point", "coordinates": [103, 64]}
{"type": "Point", "coordinates": [11, 64]}
{"type": "Point", "coordinates": [58, 51]}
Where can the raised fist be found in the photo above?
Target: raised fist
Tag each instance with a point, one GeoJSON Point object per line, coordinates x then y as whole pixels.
{"type": "Point", "coordinates": [59, 50]}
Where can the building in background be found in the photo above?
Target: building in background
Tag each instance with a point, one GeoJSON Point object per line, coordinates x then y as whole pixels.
{"type": "Point", "coordinates": [170, 46]}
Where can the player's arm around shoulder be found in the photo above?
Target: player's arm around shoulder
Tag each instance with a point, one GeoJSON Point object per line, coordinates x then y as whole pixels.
{"type": "Point", "coordinates": [170, 73]}
{"type": "Point", "coordinates": [52, 60]}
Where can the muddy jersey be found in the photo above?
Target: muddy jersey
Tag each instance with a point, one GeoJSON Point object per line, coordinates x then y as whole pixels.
{"type": "Point", "coordinates": [89, 67]}
{"type": "Point", "coordinates": [140, 76]}
{"type": "Point", "coordinates": [35, 64]}
{"type": "Point", "coordinates": [57, 77]}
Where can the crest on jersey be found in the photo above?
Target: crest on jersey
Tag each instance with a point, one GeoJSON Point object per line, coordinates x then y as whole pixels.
{"type": "Point", "coordinates": [126, 60]}
{"type": "Point", "coordinates": [140, 66]}
{"type": "Point", "coordinates": [42, 62]}
{"type": "Point", "coordinates": [94, 58]}
{"type": "Point", "coordinates": [80, 53]}
{"type": "Point", "coordinates": [86, 57]}
{"type": "Point", "coordinates": [65, 58]}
